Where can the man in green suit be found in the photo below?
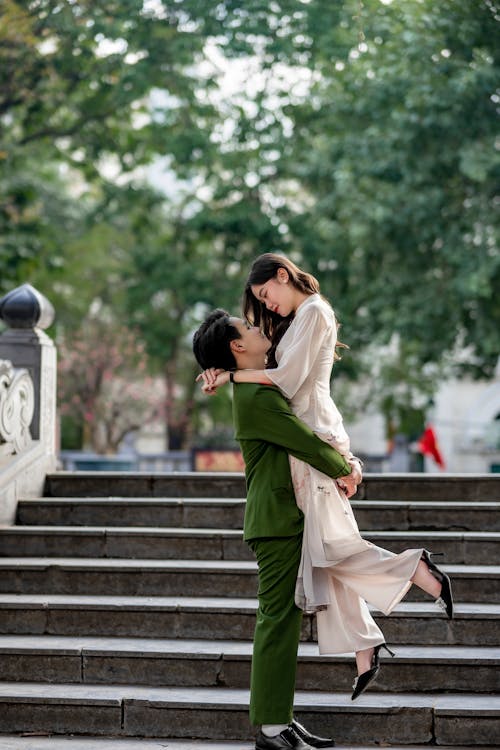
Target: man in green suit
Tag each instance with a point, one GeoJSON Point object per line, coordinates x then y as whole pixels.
{"type": "Point", "coordinates": [268, 432]}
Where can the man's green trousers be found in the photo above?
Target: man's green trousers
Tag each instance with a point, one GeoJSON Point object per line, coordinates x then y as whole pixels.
{"type": "Point", "coordinates": [277, 630]}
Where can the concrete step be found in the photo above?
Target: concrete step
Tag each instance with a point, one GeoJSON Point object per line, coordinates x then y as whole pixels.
{"type": "Point", "coordinates": [144, 484]}
{"type": "Point", "coordinates": [470, 548]}
{"type": "Point", "coordinates": [228, 513]}
{"type": "Point", "coordinates": [185, 663]}
{"type": "Point", "coordinates": [221, 713]}
{"type": "Point", "coordinates": [51, 742]}
{"type": "Point", "coordinates": [14, 742]}
{"type": "Point", "coordinates": [234, 578]}
{"type": "Point", "coordinates": [140, 511]}
{"type": "Point", "coordinates": [124, 542]}
{"type": "Point", "coordinates": [412, 487]}
{"type": "Point", "coordinates": [411, 623]}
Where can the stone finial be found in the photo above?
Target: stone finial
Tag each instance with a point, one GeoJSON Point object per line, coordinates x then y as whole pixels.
{"type": "Point", "coordinates": [25, 307]}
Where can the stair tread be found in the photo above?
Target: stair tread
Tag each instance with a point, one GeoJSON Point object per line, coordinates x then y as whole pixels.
{"type": "Point", "coordinates": [169, 531]}
{"type": "Point", "coordinates": [166, 531]}
{"type": "Point", "coordinates": [68, 645]}
{"type": "Point", "coordinates": [66, 693]}
{"type": "Point", "coordinates": [237, 566]}
{"type": "Point", "coordinates": [230, 501]}
{"type": "Point", "coordinates": [121, 499]}
{"type": "Point", "coordinates": [465, 609]}
{"type": "Point", "coordinates": [13, 742]}
{"type": "Point", "coordinates": [212, 621]}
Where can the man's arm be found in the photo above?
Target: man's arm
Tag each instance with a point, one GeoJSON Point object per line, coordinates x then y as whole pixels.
{"type": "Point", "coordinates": [267, 416]}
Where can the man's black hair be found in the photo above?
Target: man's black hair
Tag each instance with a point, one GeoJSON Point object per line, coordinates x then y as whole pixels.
{"type": "Point", "coordinates": [211, 342]}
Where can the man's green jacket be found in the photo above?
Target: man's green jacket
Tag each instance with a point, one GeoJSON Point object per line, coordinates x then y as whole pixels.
{"type": "Point", "coordinates": [267, 431]}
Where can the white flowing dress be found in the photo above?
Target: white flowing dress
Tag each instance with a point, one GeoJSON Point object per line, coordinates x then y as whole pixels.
{"type": "Point", "coordinates": [339, 571]}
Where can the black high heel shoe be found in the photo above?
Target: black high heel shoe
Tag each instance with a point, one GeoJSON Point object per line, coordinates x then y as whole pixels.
{"type": "Point", "coordinates": [365, 679]}
{"type": "Point", "coordinates": [445, 600]}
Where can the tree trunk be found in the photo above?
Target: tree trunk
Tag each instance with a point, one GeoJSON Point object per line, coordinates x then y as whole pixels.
{"type": "Point", "coordinates": [179, 407]}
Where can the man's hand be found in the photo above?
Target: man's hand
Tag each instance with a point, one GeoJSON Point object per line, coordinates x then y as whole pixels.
{"type": "Point", "coordinates": [212, 379]}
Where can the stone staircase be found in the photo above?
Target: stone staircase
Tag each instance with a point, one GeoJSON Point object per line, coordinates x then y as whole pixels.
{"type": "Point", "coordinates": [127, 608]}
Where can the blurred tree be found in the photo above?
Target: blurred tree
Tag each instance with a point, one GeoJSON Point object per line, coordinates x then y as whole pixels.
{"type": "Point", "coordinates": [182, 266]}
{"type": "Point", "coordinates": [82, 77]}
{"type": "Point", "coordinates": [93, 89]}
{"type": "Point", "coordinates": [104, 383]}
{"type": "Point", "coordinates": [36, 218]}
{"type": "Point", "coordinates": [358, 137]}
{"type": "Point", "coordinates": [396, 155]}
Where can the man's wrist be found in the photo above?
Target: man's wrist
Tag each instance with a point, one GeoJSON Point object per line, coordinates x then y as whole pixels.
{"type": "Point", "coordinates": [231, 375]}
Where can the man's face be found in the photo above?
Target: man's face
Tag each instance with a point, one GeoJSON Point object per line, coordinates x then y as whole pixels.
{"type": "Point", "coordinates": [254, 342]}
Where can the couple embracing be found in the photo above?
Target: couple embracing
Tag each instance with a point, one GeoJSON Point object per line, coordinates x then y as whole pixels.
{"type": "Point", "coordinates": [300, 473]}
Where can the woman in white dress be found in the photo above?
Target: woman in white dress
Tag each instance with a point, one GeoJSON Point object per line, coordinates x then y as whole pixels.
{"type": "Point", "coordinates": [339, 571]}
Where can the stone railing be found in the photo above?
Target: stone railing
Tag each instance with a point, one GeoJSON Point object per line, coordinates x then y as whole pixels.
{"type": "Point", "coordinates": [17, 405]}
{"type": "Point", "coordinates": [27, 398]}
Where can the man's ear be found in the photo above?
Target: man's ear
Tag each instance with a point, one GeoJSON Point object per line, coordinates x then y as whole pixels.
{"type": "Point", "coordinates": [236, 345]}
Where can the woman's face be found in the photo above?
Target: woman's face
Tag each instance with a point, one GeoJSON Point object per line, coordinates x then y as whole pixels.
{"type": "Point", "coordinates": [277, 294]}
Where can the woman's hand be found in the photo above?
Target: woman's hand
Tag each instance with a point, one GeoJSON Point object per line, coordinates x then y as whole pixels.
{"type": "Point", "coordinates": [347, 484]}
{"type": "Point", "coordinates": [212, 378]}
{"type": "Point", "coordinates": [356, 472]}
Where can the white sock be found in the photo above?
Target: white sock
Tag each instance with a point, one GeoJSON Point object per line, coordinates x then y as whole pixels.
{"type": "Point", "coordinates": [272, 730]}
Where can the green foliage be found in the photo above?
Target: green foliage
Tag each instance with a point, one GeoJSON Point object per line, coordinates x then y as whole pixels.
{"type": "Point", "coordinates": [83, 87]}
{"type": "Point", "coordinates": [361, 140]}
{"type": "Point", "coordinates": [79, 76]}
{"type": "Point", "coordinates": [396, 149]}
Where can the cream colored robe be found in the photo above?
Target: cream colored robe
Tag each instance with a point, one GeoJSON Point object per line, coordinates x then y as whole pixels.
{"type": "Point", "coordinates": [339, 570]}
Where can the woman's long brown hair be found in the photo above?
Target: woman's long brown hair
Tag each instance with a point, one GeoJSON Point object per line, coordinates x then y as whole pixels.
{"type": "Point", "coordinates": [274, 326]}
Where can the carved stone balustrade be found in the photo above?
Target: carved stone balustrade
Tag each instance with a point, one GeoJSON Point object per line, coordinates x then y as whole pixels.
{"type": "Point", "coordinates": [27, 397]}
{"type": "Point", "coordinates": [17, 405]}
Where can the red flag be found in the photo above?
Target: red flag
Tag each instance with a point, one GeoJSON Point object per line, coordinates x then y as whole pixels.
{"type": "Point", "coordinates": [427, 445]}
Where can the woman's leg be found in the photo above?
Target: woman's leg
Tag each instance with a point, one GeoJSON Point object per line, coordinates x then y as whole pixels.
{"type": "Point", "coordinates": [364, 660]}
{"type": "Point", "coordinates": [424, 579]}
{"type": "Point", "coordinates": [379, 575]}
{"type": "Point", "coordinates": [382, 578]}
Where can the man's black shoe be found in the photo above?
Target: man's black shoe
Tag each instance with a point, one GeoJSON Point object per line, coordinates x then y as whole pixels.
{"type": "Point", "coordinates": [311, 739]}
{"type": "Point", "coordinates": [285, 740]}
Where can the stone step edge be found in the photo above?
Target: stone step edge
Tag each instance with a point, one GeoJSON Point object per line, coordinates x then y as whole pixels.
{"type": "Point", "coordinates": [168, 501]}
{"type": "Point", "coordinates": [244, 567]}
{"type": "Point", "coordinates": [193, 532]}
{"type": "Point", "coordinates": [463, 610]}
{"type": "Point", "coordinates": [241, 501]}
{"type": "Point", "coordinates": [475, 487]}
{"type": "Point", "coordinates": [219, 649]}
{"type": "Point", "coordinates": [225, 476]}
{"type": "Point", "coordinates": [51, 742]}
{"type": "Point", "coordinates": [236, 699]}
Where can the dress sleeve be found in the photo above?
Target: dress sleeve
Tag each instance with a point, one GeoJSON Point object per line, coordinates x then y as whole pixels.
{"type": "Point", "coordinates": [309, 331]}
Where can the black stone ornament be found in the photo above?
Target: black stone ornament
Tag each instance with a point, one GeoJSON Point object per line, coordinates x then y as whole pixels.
{"type": "Point", "coordinates": [25, 307]}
